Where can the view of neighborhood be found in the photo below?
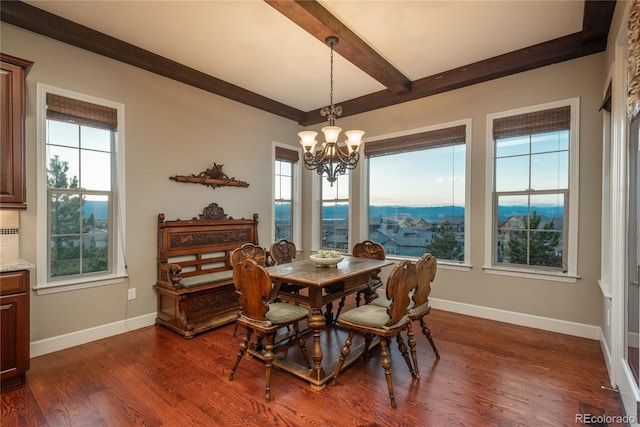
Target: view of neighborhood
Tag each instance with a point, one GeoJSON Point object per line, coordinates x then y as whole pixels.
{"type": "Point", "coordinates": [411, 231]}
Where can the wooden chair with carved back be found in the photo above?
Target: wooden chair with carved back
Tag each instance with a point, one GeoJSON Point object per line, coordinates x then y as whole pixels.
{"type": "Point", "coordinates": [283, 252]}
{"type": "Point", "coordinates": [247, 251]}
{"type": "Point", "coordinates": [386, 323]}
{"type": "Point", "coordinates": [372, 250]}
{"type": "Point", "coordinates": [365, 249]}
{"type": "Point", "coordinates": [419, 305]}
{"type": "Point", "coordinates": [262, 316]}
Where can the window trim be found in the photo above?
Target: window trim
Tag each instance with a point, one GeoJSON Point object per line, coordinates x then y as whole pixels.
{"type": "Point", "coordinates": [364, 185]}
{"type": "Point", "coordinates": [574, 190]}
{"type": "Point", "coordinates": [118, 273]}
{"type": "Point", "coordinates": [296, 209]}
{"type": "Point", "coordinates": [318, 236]}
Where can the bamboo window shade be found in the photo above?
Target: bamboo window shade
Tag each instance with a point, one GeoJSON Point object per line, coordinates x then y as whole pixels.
{"type": "Point", "coordinates": [553, 120]}
{"type": "Point", "coordinates": [82, 113]}
{"type": "Point", "coordinates": [418, 141]}
{"type": "Point", "coordinates": [286, 155]}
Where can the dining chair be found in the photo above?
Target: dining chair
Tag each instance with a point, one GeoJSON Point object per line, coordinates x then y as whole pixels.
{"type": "Point", "coordinates": [365, 249]}
{"type": "Point", "coordinates": [247, 251]}
{"type": "Point", "coordinates": [372, 250]}
{"type": "Point", "coordinates": [283, 252]}
{"type": "Point", "coordinates": [262, 316]}
{"type": "Point", "coordinates": [419, 306]}
{"type": "Point", "coordinates": [386, 323]}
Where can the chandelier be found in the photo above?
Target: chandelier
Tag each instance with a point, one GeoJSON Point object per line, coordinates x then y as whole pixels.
{"type": "Point", "coordinates": [333, 158]}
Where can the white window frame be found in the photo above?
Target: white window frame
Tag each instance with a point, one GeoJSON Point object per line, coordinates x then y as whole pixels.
{"type": "Point", "coordinates": [296, 209]}
{"type": "Point", "coordinates": [364, 185]}
{"type": "Point", "coordinates": [574, 190]}
{"type": "Point", "coordinates": [317, 189]}
{"type": "Point", "coordinates": [118, 272]}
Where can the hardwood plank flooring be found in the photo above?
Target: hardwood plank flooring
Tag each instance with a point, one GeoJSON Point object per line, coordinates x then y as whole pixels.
{"type": "Point", "coordinates": [490, 374]}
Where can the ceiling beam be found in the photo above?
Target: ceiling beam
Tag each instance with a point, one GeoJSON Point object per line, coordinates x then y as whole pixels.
{"type": "Point", "coordinates": [320, 23]}
{"type": "Point", "coordinates": [596, 19]}
{"type": "Point", "coordinates": [592, 39]}
{"type": "Point", "coordinates": [47, 24]}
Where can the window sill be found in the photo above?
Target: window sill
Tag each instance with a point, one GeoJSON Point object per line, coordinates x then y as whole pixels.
{"type": "Point", "coordinates": [72, 285]}
{"type": "Point", "coordinates": [441, 264]}
{"type": "Point", "coordinates": [532, 274]}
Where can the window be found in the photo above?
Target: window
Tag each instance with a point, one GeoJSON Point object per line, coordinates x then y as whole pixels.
{"type": "Point", "coordinates": [534, 180]}
{"type": "Point", "coordinates": [335, 213]}
{"type": "Point", "coordinates": [285, 161]}
{"type": "Point", "coordinates": [81, 223]}
{"type": "Point", "coordinates": [418, 196]}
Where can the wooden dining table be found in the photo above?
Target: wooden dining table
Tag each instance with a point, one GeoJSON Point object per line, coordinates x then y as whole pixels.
{"type": "Point", "coordinates": [321, 285]}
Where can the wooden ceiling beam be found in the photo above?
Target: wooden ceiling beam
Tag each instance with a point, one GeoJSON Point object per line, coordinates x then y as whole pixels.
{"type": "Point", "coordinates": [540, 55]}
{"type": "Point", "coordinates": [320, 23]}
{"type": "Point", "coordinates": [47, 24]}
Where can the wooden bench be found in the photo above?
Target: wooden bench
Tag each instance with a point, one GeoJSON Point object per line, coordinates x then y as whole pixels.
{"type": "Point", "coordinates": [195, 278]}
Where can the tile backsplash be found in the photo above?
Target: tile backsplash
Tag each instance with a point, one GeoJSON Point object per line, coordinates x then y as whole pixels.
{"type": "Point", "coordinates": [9, 234]}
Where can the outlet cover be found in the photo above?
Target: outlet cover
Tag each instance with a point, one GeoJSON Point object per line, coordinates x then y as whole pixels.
{"type": "Point", "coordinates": [132, 294]}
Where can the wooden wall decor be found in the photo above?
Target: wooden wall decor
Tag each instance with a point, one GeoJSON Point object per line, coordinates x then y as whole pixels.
{"type": "Point", "coordinates": [212, 177]}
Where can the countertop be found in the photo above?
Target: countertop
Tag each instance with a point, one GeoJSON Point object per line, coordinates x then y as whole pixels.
{"type": "Point", "coordinates": [14, 264]}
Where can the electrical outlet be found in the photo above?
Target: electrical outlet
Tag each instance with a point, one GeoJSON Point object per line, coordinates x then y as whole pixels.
{"type": "Point", "coordinates": [132, 294]}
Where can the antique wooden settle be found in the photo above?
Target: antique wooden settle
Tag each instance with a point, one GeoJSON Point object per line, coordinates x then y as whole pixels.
{"type": "Point", "coordinates": [195, 278]}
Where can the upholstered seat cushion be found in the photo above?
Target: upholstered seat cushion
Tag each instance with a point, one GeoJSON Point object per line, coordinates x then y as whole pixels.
{"type": "Point", "coordinates": [282, 312]}
{"type": "Point", "coordinates": [366, 315]}
{"type": "Point", "coordinates": [382, 300]}
{"type": "Point", "coordinates": [219, 276]}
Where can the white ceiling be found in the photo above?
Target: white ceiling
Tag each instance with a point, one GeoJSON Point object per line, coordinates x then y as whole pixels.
{"type": "Point", "coordinates": [250, 44]}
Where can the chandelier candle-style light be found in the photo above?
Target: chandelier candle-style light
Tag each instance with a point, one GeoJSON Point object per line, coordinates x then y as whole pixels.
{"type": "Point", "coordinates": [334, 158]}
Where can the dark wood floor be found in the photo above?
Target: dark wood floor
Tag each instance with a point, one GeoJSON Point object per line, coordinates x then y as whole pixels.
{"type": "Point", "coordinates": [490, 374]}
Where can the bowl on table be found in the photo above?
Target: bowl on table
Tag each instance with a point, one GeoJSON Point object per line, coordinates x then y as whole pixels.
{"type": "Point", "coordinates": [323, 259]}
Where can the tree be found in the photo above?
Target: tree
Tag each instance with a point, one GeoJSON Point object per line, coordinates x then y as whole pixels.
{"type": "Point", "coordinates": [444, 245]}
{"type": "Point", "coordinates": [75, 241]}
{"type": "Point", "coordinates": [534, 246]}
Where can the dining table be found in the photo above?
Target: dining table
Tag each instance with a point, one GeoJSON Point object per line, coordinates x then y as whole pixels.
{"type": "Point", "coordinates": [321, 285]}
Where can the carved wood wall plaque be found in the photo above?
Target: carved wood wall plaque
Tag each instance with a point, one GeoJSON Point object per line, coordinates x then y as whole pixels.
{"type": "Point", "coordinates": [212, 177]}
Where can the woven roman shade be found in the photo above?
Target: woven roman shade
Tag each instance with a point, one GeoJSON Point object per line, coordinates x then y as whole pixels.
{"type": "Point", "coordinates": [82, 113]}
{"type": "Point", "coordinates": [553, 120]}
{"type": "Point", "coordinates": [418, 141]}
{"type": "Point", "coordinates": [286, 155]}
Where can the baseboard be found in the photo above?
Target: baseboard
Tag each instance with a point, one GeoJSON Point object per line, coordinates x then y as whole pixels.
{"type": "Point", "coordinates": [538, 322]}
{"type": "Point", "coordinates": [49, 345]}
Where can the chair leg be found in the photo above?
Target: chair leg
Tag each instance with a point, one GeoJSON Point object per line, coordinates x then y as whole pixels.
{"type": "Point", "coordinates": [414, 353]}
{"type": "Point", "coordinates": [368, 339]}
{"type": "Point", "coordinates": [427, 332]}
{"type": "Point", "coordinates": [301, 344]}
{"type": "Point", "coordinates": [340, 307]}
{"type": "Point", "coordinates": [268, 363]}
{"type": "Point", "coordinates": [243, 348]}
{"type": "Point", "coordinates": [344, 353]}
{"type": "Point", "coordinates": [386, 364]}
{"type": "Point", "coordinates": [328, 313]}
{"type": "Point", "coordinates": [405, 354]}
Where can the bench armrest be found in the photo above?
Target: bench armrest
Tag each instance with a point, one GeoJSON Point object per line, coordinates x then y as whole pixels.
{"type": "Point", "coordinates": [169, 275]}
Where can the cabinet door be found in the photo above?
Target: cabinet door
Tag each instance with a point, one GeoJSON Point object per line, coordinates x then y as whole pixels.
{"type": "Point", "coordinates": [14, 327]}
{"type": "Point", "coordinates": [12, 160]}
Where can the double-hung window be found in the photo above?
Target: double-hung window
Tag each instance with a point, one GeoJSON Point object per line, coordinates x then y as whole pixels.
{"type": "Point", "coordinates": [335, 213]}
{"type": "Point", "coordinates": [533, 189]}
{"type": "Point", "coordinates": [418, 192]}
{"type": "Point", "coordinates": [80, 205]}
{"type": "Point", "coordinates": [285, 198]}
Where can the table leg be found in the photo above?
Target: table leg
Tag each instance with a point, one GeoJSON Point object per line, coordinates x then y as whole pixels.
{"type": "Point", "coordinates": [316, 322]}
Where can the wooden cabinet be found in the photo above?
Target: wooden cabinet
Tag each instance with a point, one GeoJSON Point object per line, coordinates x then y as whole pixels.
{"type": "Point", "coordinates": [14, 328]}
{"type": "Point", "coordinates": [13, 192]}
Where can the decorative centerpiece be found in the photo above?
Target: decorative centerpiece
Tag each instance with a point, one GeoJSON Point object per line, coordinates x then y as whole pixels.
{"type": "Point", "coordinates": [326, 258]}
